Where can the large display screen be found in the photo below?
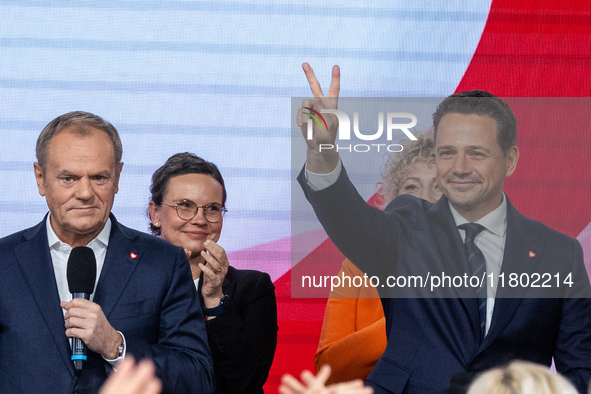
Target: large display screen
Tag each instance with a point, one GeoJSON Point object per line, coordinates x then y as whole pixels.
{"type": "Point", "coordinates": [216, 78]}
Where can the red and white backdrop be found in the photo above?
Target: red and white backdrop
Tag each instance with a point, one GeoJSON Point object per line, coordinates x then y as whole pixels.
{"type": "Point", "coordinates": [216, 77]}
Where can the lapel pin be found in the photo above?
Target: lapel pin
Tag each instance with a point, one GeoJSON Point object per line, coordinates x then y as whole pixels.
{"type": "Point", "coordinates": [134, 256]}
{"type": "Point", "coordinates": [532, 254]}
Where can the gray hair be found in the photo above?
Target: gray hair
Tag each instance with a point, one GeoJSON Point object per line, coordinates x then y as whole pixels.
{"type": "Point", "coordinates": [80, 123]}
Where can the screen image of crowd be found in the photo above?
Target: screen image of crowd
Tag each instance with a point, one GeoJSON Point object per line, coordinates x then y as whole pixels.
{"type": "Point", "coordinates": [416, 222]}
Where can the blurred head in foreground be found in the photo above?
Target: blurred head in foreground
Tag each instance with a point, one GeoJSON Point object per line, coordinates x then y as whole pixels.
{"type": "Point", "coordinates": [521, 377]}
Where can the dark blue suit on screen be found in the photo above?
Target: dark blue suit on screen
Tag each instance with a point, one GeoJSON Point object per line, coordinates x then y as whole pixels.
{"type": "Point", "coordinates": [145, 291]}
{"type": "Point", "coordinates": [431, 339]}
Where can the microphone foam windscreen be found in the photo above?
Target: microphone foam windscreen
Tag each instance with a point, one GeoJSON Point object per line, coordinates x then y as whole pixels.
{"type": "Point", "coordinates": [81, 271]}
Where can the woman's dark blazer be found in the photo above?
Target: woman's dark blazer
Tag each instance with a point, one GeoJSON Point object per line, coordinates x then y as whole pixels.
{"type": "Point", "coordinates": [244, 337]}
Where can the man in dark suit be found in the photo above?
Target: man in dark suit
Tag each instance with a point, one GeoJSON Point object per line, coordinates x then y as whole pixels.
{"type": "Point", "coordinates": [144, 303]}
{"type": "Point", "coordinates": [438, 344]}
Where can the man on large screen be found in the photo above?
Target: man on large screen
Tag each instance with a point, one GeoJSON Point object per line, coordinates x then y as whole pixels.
{"type": "Point", "coordinates": [438, 344]}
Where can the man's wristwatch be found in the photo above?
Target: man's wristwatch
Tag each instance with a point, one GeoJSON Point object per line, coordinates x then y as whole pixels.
{"type": "Point", "coordinates": [218, 310]}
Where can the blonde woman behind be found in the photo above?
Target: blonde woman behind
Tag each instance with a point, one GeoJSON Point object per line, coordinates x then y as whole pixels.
{"type": "Point", "coordinates": [521, 377]}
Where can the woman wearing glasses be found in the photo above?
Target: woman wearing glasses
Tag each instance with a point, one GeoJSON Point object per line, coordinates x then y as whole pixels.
{"type": "Point", "coordinates": [186, 208]}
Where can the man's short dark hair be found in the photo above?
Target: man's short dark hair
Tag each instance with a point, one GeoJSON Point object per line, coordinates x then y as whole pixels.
{"type": "Point", "coordinates": [479, 102]}
{"type": "Point", "coordinates": [181, 164]}
{"type": "Point", "coordinates": [80, 123]}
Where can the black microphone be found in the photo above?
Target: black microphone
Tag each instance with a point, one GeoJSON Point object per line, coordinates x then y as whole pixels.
{"type": "Point", "coordinates": [81, 275]}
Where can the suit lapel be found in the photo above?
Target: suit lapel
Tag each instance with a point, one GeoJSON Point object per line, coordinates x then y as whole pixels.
{"type": "Point", "coordinates": [36, 265]}
{"type": "Point", "coordinates": [521, 239]}
{"type": "Point", "coordinates": [120, 262]}
{"type": "Point", "coordinates": [229, 285]}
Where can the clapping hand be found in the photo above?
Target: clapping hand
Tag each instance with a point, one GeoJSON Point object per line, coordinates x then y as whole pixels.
{"type": "Point", "coordinates": [214, 268]}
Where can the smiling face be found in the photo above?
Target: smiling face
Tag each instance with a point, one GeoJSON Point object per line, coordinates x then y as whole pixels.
{"type": "Point", "coordinates": [470, 164]}
{"type": "Point", "coordinates": [421, 182]}
{"type": "Point", "coordinates": [201, 189]}
{"type": "Point", "coordinates": [79, 183]}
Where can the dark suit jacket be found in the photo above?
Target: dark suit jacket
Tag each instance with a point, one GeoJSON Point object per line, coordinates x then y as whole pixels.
{"type": "Point", "coordinates": [244, 337]}
{"type": "Point", "coordinates": [432, 339]}
{"type": "Point", "coordinates": [151, 299]}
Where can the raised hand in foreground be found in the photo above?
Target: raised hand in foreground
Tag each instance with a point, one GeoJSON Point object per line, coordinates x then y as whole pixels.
{"type": "Point", "coordinates": [133, 379]}
{"type": "Point", "coordinates": [311, 384]}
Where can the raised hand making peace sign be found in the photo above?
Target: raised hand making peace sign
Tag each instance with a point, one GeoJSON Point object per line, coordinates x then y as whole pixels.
{"type": "Point", "coordinates": [324, 126]}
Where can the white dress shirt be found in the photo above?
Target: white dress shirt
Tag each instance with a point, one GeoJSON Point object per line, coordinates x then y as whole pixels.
{"type": "Point", "coordinates": [60, 253]}
{"type": "Point", "coordinates": [491, 241]}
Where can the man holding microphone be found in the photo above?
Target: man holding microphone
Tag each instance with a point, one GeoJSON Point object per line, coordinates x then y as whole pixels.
{"type": "Point", "coordinates": [144, 301]}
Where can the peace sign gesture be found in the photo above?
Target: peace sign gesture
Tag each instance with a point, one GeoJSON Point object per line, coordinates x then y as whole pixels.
{"type": "Point", "coordinates": [321, 159]}
{"type": "Point", "coordinates": [335, 83]}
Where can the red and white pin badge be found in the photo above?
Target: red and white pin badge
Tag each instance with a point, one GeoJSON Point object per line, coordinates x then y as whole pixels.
{"type": "Point", "coordinates": [134, 256]}
{"type": "Point", "coordinates": [532, 254]}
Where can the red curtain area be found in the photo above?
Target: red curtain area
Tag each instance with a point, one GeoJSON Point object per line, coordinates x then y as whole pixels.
{"type": "Point", "coordinates": [528, 49]}
{"type": "Point", "coordinates": [533, 49]}
{"type": "Point", "coordinates": [543, 49]}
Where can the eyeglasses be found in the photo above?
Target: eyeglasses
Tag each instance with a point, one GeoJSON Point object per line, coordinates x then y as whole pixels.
{"type": "Point", "coordinates": [187, 210]}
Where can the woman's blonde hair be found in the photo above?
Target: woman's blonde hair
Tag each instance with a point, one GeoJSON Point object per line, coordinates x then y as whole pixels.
{"type": "Point", "coordinates": [521, 377]}
{"type": "Point", "coordinates": [399, 165]}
